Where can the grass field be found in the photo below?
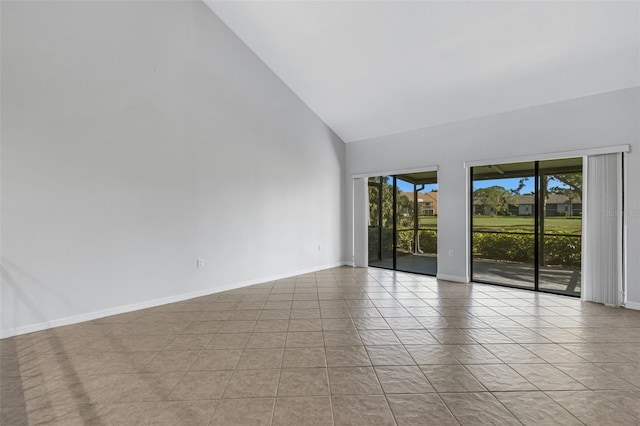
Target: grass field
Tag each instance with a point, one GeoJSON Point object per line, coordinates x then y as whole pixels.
{"type": "Point", "coordinates": [571, 225]}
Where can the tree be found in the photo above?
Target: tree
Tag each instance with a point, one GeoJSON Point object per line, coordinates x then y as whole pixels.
{"type": "Point", "coordinates": [571, 187]}
{"type": "Point", "coordinates": [404, 208]}
{"type": "Point", "coordinates": [521, 184]}
{"type": "Point", "coordinates": [387, 201]}
{"type": "Point", "coordinates": [572, 181]}
{"type": "Point", "coordinates": [495, 198]}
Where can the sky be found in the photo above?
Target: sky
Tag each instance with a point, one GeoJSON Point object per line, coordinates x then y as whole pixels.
{"type": "Point", "coordinates": [511, 183]}
{"type": "Point", "coordinates": [408, 187]}
{"type": "Point", "coordinates": [508, 183]}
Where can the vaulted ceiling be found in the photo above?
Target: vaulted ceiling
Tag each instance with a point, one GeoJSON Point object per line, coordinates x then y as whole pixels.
{"type": "Point", "coordinates": [373, 68]}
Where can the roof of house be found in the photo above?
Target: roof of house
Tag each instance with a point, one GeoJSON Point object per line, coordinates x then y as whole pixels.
{"type": "Point", "coordinates": [423, 197]}
{"type": "Point", "coordinates": [551, 199]}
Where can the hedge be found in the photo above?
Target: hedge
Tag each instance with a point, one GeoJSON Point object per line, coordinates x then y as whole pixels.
{"type": "Point", "coordinates": [560, 249]}
{"type": "Point", "coordinates": [428, 241]}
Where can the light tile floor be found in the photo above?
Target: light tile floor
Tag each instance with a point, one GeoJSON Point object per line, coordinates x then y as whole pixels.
{"type": "Point", "coordinates": [338, 347]}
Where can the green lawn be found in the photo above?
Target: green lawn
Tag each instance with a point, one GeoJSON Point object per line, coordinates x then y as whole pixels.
{"type": "Point", "coordinates": [571, 225]}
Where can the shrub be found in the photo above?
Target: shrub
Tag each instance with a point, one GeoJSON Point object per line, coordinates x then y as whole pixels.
{"type": "Point", "coordinates": [562, 250]}
{"type": "Point", "coordinates": [559, 250]}
{"type": "Point", "coordinates": [499, 246]}
{"type": "Point", "coordinates": [429, 241]}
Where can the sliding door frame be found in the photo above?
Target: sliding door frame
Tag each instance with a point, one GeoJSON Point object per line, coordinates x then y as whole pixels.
{"type": "Point", "coordinates": [539, 214]}
{"type": "Point", "coordinates": [394, 175]}
{"type": "Point", "coordinates": [583, 153]}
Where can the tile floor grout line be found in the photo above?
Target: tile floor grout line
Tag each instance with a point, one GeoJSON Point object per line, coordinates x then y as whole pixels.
{"type": "Point", "coordinates": [387, 296]}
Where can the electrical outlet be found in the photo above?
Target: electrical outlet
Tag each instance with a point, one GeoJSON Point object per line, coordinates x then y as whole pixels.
{"type": "Point", "coordinates": [450, 253]}
{"type": "Point", "coordinates": [199, 263]}
{"type": "Point", "coordinates": [319, 247]}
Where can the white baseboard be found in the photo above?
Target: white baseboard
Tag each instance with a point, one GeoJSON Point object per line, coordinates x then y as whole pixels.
{"type": "Point", "coordinates": [157, 302]}
{"type": "Point", "coordinates": [632, 305]}
{"type": "Point", "coordinates": [453, 278]}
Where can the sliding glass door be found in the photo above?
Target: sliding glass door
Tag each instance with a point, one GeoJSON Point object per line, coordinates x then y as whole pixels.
{"type": "Point", "coordinates": [381, 221]}
{"type": "Point", "coordinates": [560, 225]}
{"type": "Point", "coordinates": [403, 211]}
{"type": "Point", "coordinates": [503, 224]}
{"type": "Point", "coordinates": [526, 225]}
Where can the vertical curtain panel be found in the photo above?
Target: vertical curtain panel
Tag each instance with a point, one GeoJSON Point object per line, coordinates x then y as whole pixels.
{"type": "Point", "coordinates": [603, 256]}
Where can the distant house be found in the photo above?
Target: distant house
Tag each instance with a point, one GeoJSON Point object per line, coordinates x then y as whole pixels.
{"type": "Point", "coordinates": [556, 205]}
{"type": "Point", "coordinates": [427, 202]}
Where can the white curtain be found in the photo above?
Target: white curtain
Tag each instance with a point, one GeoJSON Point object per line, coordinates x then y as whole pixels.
{"type": "Point", "coordinates": [602, 236]}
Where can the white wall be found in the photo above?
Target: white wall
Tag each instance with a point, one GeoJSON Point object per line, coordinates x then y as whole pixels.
{"type": "Point", "coordinates": [137, 137]}
{"type": "Point", "coordinates": [594, 121]}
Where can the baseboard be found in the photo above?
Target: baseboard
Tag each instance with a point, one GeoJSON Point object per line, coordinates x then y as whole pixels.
{"type": "Point", "coordinates": [632, 305]}
{"type": "Point", "coordinates": [75, 319]}
{"type": "Point", "coordinates": [453, 278]}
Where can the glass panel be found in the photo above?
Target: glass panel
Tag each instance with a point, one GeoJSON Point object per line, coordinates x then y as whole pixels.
{"type": "Point", "coordinates": [560, 226]}
{"type": "Point", "coordinates": [503, 224]}
{"type": "Point", "coordinates": [416, 228]}
{"type": "Point", "coordinates": [381, 222]}
{"type": "Point", "coordinates": [375, 254]}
